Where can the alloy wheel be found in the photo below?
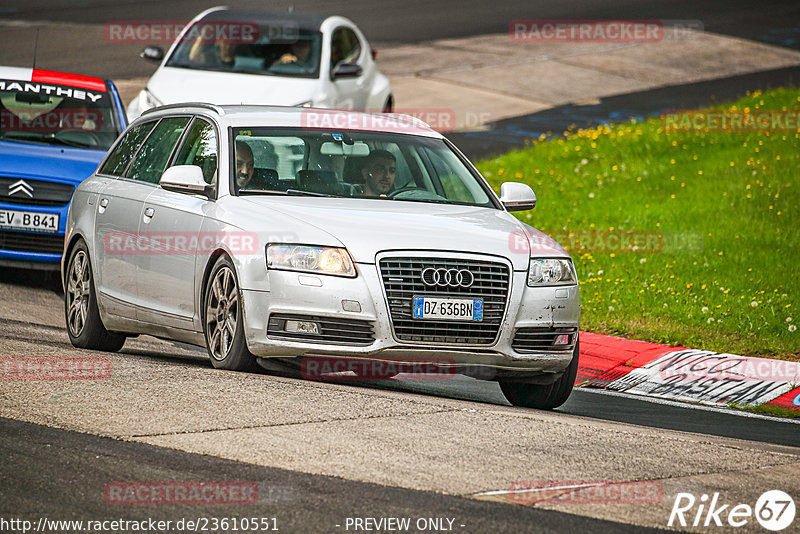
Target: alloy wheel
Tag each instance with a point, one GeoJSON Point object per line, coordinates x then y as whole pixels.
{"type": "Point", "coordinates": [78, 291]}
{"type": "Point", "coordinates": [222, 311]}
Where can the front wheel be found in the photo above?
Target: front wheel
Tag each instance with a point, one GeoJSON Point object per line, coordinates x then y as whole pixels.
{"type": "Point", "coordinates": [84, 326]}
{"type": "Point", "coordinates": [224, 322]}
{"type": "Point", "coordinates": [543, 397]}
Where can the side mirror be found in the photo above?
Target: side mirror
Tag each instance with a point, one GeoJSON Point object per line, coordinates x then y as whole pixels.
{"type": "Point", "coordinates": [185, 179]}
{"type": "Point", "coordinates": [517, 197]}
{"type": "Point", "coordinates": [152, 53]}
{"type": "Point", "coordinates": [347, 70]}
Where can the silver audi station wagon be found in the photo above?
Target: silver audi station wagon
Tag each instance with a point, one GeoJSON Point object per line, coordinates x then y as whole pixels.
{"type": "Point", "coordinates": [275, 235]}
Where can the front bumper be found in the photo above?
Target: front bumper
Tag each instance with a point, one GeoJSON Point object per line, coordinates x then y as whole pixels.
{"type": "Point", "coordinates": [37, 250]}
{"type": "Point", "coordinates": [296, 295]}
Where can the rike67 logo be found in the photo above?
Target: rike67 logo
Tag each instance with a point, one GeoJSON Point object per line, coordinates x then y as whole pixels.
{"type": "Point", "coordinates": [774, 510]}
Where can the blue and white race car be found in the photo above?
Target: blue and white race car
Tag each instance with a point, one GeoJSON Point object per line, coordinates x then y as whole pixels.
{"type": "Point", "coordinates": [54, 130]}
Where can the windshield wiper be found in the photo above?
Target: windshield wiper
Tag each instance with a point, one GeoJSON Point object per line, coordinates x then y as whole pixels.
{"type": "Point", "coordinates": [49, 139]}
{"type": "Point", "coordinates": [261, 192]}
{"type": "Point", "coordinates": [299, 193]}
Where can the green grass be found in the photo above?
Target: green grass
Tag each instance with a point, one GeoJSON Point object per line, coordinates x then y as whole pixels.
{"type": "Point", "coordinates": [734, 284]}
{"type": "Point", "coordinates": [768, 409]}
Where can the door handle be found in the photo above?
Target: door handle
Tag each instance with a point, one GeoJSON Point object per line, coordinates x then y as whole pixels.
{"type": "Point", "coordinates": [103, 202]}
{"type": "Point", "coordinates": [149, 212]}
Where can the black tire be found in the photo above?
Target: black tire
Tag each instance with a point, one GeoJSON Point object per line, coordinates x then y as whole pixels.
{"type": "Point", "coordinates": [388, 107]}
{"type": "Point", "coordinates": [225, 342]}
{"type": "Point", "coordinates": [84, 326]}
{"type": "Point", "coordinates": [543, 397]}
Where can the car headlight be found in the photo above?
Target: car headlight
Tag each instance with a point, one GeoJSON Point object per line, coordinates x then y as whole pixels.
{"type": "Point", "coordinates": [147, 100]}
{"type": "Point", "coordinates": [310, 259]}
{"type": "Point", "coordinates": [551, 272]}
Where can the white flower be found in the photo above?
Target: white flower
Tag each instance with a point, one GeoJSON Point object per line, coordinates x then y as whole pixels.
{"type": "Point", "coordinates": [710, 320]}
{"type": "Point", "coordinates": [584, 161]}
{"type": "Point", "coordinates": [792, 328]}
{"type": "Point", "coordinates": [591, 195]}
{"type": "Point", "coordinates": [754, 304]}
{"type": "Point", "coordinates": [704, 309]}
{"type": "Point", "coordinates": [599, 272]}
{"type": "Point", "coordinates": [643, 260]}
{"type": "Point", "coordinates": [788, 319]}
{"type": "Point", "coordinates": [611, 308]}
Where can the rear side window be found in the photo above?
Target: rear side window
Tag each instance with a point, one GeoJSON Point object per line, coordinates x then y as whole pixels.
{"type": "Point", "coordinates": [118, 161]}
{"type": "Point", "coordinates": [200, 149]}
{"type": "Point", "coordinates": [154, 155]}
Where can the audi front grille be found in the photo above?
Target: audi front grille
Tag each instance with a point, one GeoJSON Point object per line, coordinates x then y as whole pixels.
{"type": "Point", "coordinates": [403, 280]}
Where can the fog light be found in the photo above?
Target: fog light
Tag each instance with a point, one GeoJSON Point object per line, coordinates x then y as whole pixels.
{"type": "Point", "coordinates": [563, 339]}
{"type": "Point", "coordinates": [303, 327]}
{"type": "Point", "coordinates": [351, 306]}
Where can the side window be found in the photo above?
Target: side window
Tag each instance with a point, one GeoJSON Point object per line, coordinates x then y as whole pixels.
{"type": "Point", "coordinates": [118, 160]}
{"type": "Point", "coordinates": [152, 159]}
{"type": "Point", "coordinates": [345, 47]}
{"type": "Point", "coordinates": [200, 149]}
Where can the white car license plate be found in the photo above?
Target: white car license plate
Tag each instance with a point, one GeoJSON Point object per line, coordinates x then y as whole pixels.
{"type": "Point", "coordinates": [448, 309]}
{"type": "Point", "coordinates": [29, 221]}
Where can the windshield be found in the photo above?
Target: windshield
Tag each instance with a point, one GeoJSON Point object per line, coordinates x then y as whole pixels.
{"type": "Point", "coordinates": [381, 166]}
{"type": "Point", "coordinates": [272, 49]}
{"type": "Point", "coordinates": [56, 115]}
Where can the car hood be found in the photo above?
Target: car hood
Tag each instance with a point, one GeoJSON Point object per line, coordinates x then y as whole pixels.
{"type": "Point", "coordinates": [171, 85]}
{"type": "Point", "coordinates": [66, 164]}
{"type": "Point", "coordinates": [368, 227]}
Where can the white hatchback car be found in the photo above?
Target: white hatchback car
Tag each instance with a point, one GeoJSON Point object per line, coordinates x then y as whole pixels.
{"type": "Point", "coordinates": [322, 236]}
{"type": "Point", "coordinates": [254, 57]}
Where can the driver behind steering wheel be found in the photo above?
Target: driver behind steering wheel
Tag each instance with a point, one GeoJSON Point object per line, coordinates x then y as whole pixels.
{"type": "Point", "coordinates": [378, 172]}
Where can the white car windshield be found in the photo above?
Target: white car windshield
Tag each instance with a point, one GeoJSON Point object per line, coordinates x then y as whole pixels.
{"type": "Point", "coordinates": [351, 164]}
{"type": "Point", "coordinates": [292, 52]}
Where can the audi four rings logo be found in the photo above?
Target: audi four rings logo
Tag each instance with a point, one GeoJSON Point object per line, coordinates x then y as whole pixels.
{"type": "Point", "coordinates": [447, 277]}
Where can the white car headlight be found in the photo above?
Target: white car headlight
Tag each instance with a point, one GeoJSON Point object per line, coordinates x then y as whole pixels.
{"type": "Point", "coordinates": [551, 272]}
{"type": "Point", "coordinates": [310, 259]}
{"type": "Point", "coordinates": [147, 100]}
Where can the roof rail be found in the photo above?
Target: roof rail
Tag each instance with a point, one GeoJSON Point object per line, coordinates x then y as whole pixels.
{"type": "Point", "coordinates": [205, 105]}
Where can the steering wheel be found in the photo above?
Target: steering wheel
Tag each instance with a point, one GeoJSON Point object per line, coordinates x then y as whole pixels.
{"type": "Point", "coordinates": [402, 190]}
{"type": "Point", "coordinates": [92, 138]}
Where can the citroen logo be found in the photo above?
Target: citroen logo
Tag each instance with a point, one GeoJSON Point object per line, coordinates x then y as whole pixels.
{"type": "Point", "coordinates": [447, 277]}
{"type": "Point", "coordinates": [20, 186]}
